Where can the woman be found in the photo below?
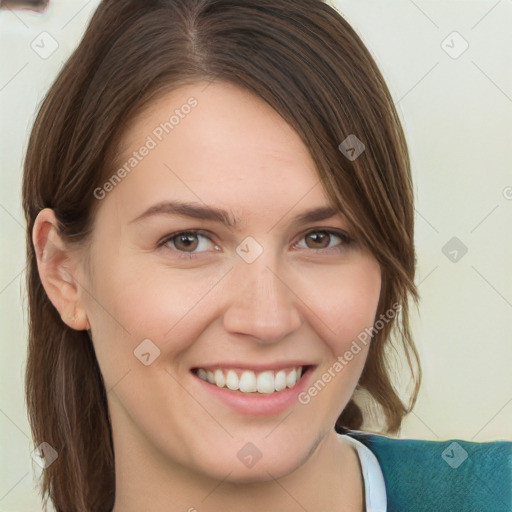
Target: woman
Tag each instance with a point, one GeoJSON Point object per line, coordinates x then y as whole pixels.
{"type": "Point", "coordinates": [220, 244]}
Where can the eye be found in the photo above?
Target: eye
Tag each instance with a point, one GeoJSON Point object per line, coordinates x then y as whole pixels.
{"type": "Point", "coordinates": [187, 243]}
{"type": "Point", "coordinates": [321, 239]}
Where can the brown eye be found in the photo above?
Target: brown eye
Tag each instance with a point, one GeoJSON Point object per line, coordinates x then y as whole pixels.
{"type": "Point", "coordinates": [185, 242]}
{"type": "Point", "coordinates": [318, 239]}
{"type": "Point", "coordinates": [322, 240]}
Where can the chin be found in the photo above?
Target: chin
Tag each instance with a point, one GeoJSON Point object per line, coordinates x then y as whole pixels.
{"type": "Point", "coordinates": [249, 465]}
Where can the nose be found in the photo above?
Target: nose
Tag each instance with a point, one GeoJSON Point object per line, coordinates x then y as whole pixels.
{"type": "Point", "coordinates": [262, 304]}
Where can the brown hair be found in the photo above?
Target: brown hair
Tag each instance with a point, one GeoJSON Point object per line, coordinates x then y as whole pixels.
{"type": "Point", "coordinates": [307, 63]}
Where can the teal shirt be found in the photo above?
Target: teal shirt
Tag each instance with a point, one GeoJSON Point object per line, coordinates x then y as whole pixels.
{"type": "Point", "coordinates": [442, 476]}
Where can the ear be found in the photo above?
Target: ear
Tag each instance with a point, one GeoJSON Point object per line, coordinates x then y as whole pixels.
{"type": "Point", "coordinates": [58, 270]}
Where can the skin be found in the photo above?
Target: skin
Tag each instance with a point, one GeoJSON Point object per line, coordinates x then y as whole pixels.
{"type": "Point", "coordinates": [176, 445]}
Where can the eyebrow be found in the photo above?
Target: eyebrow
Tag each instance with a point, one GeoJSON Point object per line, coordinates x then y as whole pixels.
{"type": "Point", "coordinates": [204, 212]}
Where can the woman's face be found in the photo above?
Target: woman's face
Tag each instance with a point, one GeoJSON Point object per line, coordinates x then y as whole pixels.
{"type": "Point", "coordinates": [249, 301]}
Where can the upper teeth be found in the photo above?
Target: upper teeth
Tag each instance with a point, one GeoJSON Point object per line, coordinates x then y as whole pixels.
{"type": "Point", "coordinates": [249, 382]}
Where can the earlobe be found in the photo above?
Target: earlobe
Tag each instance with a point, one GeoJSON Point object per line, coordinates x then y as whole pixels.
{"type": "Point", "coordinates": [57, 268]}
{"type": "Point", "coordinates": [76, 318]}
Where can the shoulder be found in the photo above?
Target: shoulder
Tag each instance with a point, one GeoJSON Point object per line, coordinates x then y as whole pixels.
{"type": "Point", "coordinates": [443, 475]}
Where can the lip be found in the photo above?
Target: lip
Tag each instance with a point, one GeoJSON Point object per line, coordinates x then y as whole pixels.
{"type": "Point", "coordinates": [256, 404]}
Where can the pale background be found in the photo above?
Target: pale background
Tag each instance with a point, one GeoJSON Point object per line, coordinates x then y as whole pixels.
{"type": "Point", "coordinates": [457, 114]}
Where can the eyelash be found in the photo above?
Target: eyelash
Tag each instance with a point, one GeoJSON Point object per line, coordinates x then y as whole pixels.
{"type": "Point", "coordinates": [346, 241]}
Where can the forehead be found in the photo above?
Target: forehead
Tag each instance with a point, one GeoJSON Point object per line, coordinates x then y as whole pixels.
{"type": "Point", "coordinates": [218, 144]}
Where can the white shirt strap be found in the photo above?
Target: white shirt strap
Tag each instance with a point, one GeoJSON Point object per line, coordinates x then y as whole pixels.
{"type": "Point", "coordinates": [374, 485]}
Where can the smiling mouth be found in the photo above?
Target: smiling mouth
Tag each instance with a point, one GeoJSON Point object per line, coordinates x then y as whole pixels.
{"type": "Point", "coordinates": [248, 381]}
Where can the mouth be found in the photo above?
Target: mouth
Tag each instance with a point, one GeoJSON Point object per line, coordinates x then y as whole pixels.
{"type": "Point", "coordinates": [252, 382]}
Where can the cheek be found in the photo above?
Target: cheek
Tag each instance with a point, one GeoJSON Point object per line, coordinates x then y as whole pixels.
{"type": "Point", "coordinates": [137, 299]}
{"type": "Point", "coordinates": [346, 304]}
{"type": "Point", "coordinates": [344, 300]}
